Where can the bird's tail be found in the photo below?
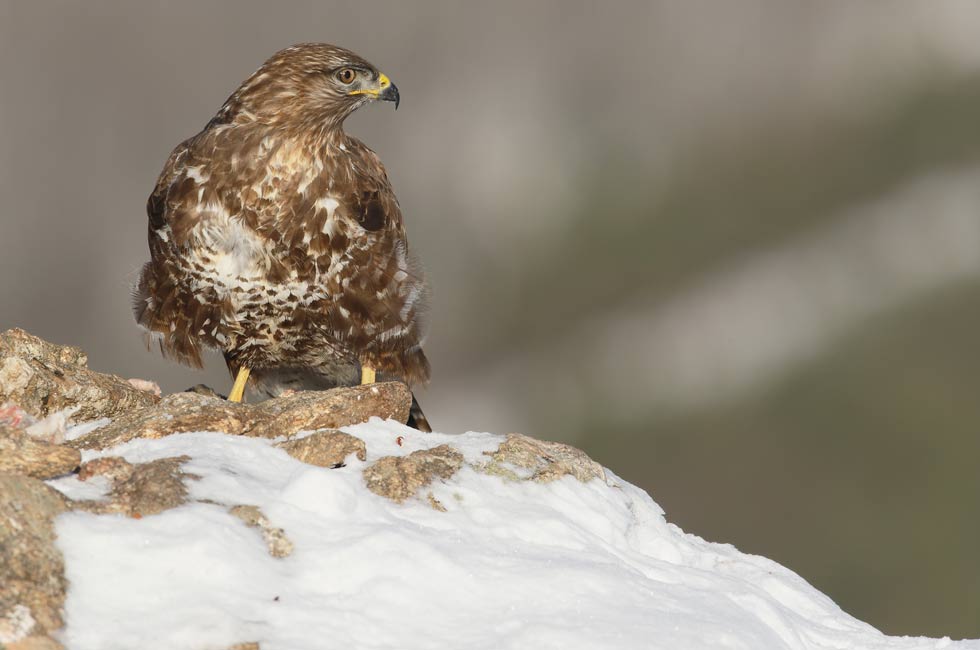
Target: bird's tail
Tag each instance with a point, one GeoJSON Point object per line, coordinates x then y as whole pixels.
{"type": "Point", "coordinates": [416, 418]}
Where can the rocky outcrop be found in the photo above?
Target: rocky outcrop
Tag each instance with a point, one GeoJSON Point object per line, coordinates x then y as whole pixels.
{"type": "Point", "coordinates": [282, 417]}
{"type": "Point", "coordinates": [32, 572]}
{"type": "Point", "coordinates": [43, 385]}
{"type": "Point", "coordinates": [43, 378]}
{"type": "Point", "coordinates": [22, 454]}
{"type": "Point", "coordinates": [401, 477]}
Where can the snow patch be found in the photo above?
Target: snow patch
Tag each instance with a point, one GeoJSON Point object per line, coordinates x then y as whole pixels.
{"type": "Point", "coordinates": [96, 488]}
{"type": "Point", "coordinates": [79, 430]}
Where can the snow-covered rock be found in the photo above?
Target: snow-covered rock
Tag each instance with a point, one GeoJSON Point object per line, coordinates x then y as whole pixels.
{"type": "Point", "coordinates": [188, 522]}
{"type": "Point", "coordinates": [488, 554]}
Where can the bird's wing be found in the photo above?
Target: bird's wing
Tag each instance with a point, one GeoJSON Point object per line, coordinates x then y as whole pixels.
{"type": "Point", "coordinates": [156, 204]}
{"type": "Point", "coordinates": [201, 251]}
{"type": "Point", "coordinates": [384, 299]}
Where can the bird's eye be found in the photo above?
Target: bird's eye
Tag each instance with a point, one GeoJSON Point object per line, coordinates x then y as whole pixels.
{"type": "Point", "coordinates": [346, 75]}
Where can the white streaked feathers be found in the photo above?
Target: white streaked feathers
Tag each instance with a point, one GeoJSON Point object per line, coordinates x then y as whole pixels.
{"type": "Point", "coordinates": [228, 257]}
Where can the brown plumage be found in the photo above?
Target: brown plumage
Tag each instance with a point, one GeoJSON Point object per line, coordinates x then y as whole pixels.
{"type": "Point", "coordinates": [277, 239]}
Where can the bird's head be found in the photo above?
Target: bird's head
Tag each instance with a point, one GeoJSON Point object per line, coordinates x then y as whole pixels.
{"type": "Point", "coordinates": [311, 85]}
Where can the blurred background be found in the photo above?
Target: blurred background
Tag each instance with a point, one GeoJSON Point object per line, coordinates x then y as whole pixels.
{"type": "Point", "coordinates": [732, 250]}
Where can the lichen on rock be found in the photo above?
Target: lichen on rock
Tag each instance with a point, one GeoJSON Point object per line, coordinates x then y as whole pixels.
{"type": "Point", "coordinates": [325, 448]}
{"type": "Point", "coordinates": [520, 457]}
{"type": "Point", "coordinates": [400, 477]}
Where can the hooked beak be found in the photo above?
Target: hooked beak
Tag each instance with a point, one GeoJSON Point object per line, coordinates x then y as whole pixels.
{"type": "Point", "coordinates": [385, 90]}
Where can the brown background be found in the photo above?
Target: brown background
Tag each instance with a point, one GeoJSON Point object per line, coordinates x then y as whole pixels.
{"type": "Point", "coordinates": [730, 249]}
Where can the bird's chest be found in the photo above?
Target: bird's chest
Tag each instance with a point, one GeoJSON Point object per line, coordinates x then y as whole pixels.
{"type": "Point", "coordinates": [277, 254]}
{"type": "Point", "coordinates": [287, 223]}
{"type": "Point", "coordinates": [277, 320]}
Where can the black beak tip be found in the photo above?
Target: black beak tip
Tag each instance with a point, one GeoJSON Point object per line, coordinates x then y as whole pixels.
{"type": "Point", "coordinates": [390, 94]}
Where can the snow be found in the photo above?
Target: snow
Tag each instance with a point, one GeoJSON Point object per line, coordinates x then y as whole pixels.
{"type": "Point", "coordinates": [509, 564]}
{"type": "Point", "coordinates": [96, 488]}
{"type": "Point", "coordinates": [79, 430]}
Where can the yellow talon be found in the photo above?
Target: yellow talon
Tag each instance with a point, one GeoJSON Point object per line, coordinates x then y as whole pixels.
{"type": "Point", "coordinates": [238, 390]}
{"type": "Point", "coordinates": [367, 375]}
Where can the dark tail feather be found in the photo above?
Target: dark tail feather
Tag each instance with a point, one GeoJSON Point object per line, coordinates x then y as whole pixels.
{"type": "Point", "coordinates": [416, 418]}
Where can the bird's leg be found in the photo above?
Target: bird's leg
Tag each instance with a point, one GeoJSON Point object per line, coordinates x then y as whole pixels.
{"type": "Point", "coordinates": [238, 390]}
{"type": "Point", "coordinates": [367, 375]}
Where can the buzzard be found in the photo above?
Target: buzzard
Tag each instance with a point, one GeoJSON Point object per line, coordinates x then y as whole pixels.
{"type": "Point", "coordinates": [277, 239]}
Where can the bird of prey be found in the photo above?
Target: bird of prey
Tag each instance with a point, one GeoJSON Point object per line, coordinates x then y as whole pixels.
{"type": "Point", "coordinates": [276, 238]}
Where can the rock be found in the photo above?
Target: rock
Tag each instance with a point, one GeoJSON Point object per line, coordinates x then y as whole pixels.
{"type": "Point", "coordinates": [177, 413]}
{"type": "Point", "coordinates": [204, 389]}
{"type": "Point", "coordinates": [543, 461]}
{"type": "Point", "coordinates": [283, 416]}
{"type": "Point", "coordinates": [275, 538]}
{"type": "Point", "coordinates": [150, 488]}
{"type": "Point", "coordinates": [15, 623]}
{"type": "Point", "coordinates": [331, 409]}
{"type": "Point", "coordinates": [137, 490]}
{"type": "Point", "coordinates": [32, 575]}
{"type": "Point", "coordinates": [112, 467]}
{"type": "Point", "coordinates": [45, 384]}
{"type": "Point", "coordinates": [325, 448]}
{"type": "Point", "coordinates": [400, 477]}
{"type": "Point", "coordinates": [22, 454]}
{"type": "Point", "coordinates": [435, 503]}
{"type": "Point", "coordinates": [50, 429]}
{"type": "Point", "coordinates": [35, 643]}
{"type": "Point", "coordinates": [146, 385]}
{"type": "Point", "coordinates": [15, 417]}
{"type": "Point", "coordinates": [45, 378]}
{"type": "Point", "coordinates": [518, 458]}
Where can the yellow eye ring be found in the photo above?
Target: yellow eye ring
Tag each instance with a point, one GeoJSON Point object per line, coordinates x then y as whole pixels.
{"type": "Point", "coordinates": [347, 76]}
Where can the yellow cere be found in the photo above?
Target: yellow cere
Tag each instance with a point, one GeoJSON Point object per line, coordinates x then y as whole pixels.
{"type": "Point", "coordinates": [383, 82]}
